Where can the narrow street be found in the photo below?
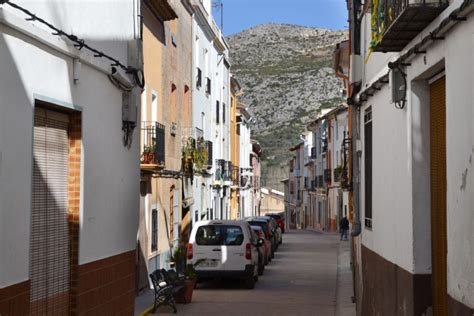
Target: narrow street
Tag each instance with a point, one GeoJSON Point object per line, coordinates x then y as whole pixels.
{"type": "Point", "coordinates": [301, 280]}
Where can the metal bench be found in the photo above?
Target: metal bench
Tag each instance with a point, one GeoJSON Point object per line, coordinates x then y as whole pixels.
{"type": "Point", "coordinates": [177, 281]}
{"type": "Point", "coordinates": [163, 291]}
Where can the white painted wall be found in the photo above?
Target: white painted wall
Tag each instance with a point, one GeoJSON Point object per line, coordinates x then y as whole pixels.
{"type": "Point", "coordinates": [401, 210]}
{"type": "Point", "coordinates": [109, 194]}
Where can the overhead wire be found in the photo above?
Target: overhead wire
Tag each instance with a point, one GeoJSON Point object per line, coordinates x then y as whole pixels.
{"type": "Point", "coordinates": [137, 74]}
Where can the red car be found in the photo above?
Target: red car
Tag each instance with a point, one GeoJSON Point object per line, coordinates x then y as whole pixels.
{"type": "Point", "coordinates": [266, 244]}
{"type": "Point", "coordinates": [279, 219]}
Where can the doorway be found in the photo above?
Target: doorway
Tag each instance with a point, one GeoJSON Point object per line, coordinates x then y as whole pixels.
{"type": "Point", "coordinates": [439, 248]}
{"type": "Point", "coordinates": [54, 210]}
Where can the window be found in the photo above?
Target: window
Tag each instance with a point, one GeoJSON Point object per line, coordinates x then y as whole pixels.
{"type": "Point", "coordinates": [217, 112]}
{"type": "Point", "coordinates": [154, 230]}
{"type": "Point", "coordinates": [208, 85]}
{"type": "Point", "coordinates": [219, 235]}
{"type": "Point", "coordinates": [223, 112]}
{"type": "Point", "coordinates": [199, 78]}
{"type": "Point", "coordinates": [368, 166]}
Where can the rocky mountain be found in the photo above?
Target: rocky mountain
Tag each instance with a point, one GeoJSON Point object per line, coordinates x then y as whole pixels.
{"type": "Point", "coordinates": [286, 74]}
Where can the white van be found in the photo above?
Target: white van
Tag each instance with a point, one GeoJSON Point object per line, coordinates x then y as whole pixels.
{"type": "Point", "coordinates": [225, 250]}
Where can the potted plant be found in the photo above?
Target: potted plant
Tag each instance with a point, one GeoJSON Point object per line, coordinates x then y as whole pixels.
{"type": "Point", "coordinates": [189, 283]}
{"type": "Point", "coordinates": [149, 155]}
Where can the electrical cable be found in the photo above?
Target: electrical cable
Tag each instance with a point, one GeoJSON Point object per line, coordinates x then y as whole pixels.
{"type": "Point", "coordinates": [139, 79]}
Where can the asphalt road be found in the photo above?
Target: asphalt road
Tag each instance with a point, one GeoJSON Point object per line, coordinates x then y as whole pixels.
{"type": "Point", "coordinates": [301, 280]}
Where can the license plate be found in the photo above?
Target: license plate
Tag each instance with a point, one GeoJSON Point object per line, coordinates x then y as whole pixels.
{"type": "Point", "coordinates": [208, 264]}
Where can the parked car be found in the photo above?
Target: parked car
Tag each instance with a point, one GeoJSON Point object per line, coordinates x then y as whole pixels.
{"type": "Point", "coordinates": [261, 254]}
{"type": "Point", "coordinates": [224, 250]}
{"type": "Point", "coordinates": [280, 221]}
{"type": "Point", "coordinates": [269, 235]}
{"type": "Point", "coordinates": [266, 245]}
{"type": "Point", "coordinates": [275, 229]}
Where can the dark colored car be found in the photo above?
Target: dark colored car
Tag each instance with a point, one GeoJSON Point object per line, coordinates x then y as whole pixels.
{"type": "Point", "coordinates": [275, 228]}
{"type": "Point", "coordinates": [267, 229]}
{"type": "Point", "coordinates": [280, 221]}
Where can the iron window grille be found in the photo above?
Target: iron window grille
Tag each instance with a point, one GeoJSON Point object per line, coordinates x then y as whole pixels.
{"type": "Point", "coordinates": [199, 78]}
{"type": "Point", "coordinates": [209, 154]}
{"type": "Point", "coordinates": [327, 175]}
{"type": "Point", "coordinates": [154, 230]}
{"type": "Point", "coordinates": [208, 86]}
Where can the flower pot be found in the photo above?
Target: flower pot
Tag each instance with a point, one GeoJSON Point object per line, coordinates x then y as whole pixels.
{"type": "Point", "coordinates": [187, 292]}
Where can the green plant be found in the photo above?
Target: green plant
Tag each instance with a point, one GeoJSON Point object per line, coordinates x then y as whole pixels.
{"type": "Point", "coordinates": [190, 271]}
{"type": "Point", "coordinates": [194, 154]}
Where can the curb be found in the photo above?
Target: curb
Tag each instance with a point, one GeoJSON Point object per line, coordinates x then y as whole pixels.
{"type": "Point", "coordinates": [147, 311]}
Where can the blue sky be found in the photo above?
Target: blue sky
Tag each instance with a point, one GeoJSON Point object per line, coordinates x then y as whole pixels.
{"type": "Point", "coordinates": [242, 14]}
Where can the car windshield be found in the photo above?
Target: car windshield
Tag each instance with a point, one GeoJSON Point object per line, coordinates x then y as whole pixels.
{"type": "Point", "coordinates": [275, 216]}
{"type": "Point", "coordinates": [219, 235]}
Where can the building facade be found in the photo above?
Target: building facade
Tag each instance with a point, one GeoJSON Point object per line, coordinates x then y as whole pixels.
{"type": "Point", "coordinates": [273, 201]}
{"type": "Point", "coordinates": [412, 105]}
{"type": "Point", "coordinates": [69, 158]}
{"type": "Point", "coordinates": [165, 115]}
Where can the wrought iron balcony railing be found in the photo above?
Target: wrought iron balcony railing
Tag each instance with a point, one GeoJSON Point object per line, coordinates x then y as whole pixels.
{"type": "Point", "coordinates": [209, 154]}
{"type": "Point", "coordinates": [320, 183]}
{"type": "Point", "coordinates": [396, 22]}
{"type": "Point", "coordinates": [220, 170]}
{"type": "Point", "coordinates": [153, 144]}
{"type": "Point", "coordinates": [327, 175]}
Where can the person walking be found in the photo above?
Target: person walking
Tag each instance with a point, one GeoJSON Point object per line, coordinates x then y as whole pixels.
{"type": "Point", "coordinates": [344, 227]}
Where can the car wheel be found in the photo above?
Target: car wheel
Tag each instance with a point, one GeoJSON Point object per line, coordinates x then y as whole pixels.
{"type": "Point", "coordinates": [250, 283]}
{"type": "Point", "coordinates": [281, 241]}
{"type": "Point", "coordinates": [266, 260]}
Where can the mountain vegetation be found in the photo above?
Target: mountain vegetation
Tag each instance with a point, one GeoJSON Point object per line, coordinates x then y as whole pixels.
{"type": "Point", "coordinates": [286, 75]}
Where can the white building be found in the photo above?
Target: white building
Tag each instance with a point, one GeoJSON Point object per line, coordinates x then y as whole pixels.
{"type": "Point", "coordinates": [415, 155]}
{"type": "Point", "coordinates": [203, 70]}
{"type": "Point", "coordinates": [65, 174]}
{"type": "Point", "coordinates": [244, 120]}
{"type": "Point", "coordinates": [220, 125]}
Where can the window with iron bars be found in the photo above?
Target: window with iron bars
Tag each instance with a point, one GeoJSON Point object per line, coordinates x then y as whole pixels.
{"type": "Point", "coordinates": [208, 85]}
{"type": "Point", "coordinates": [199, 78]}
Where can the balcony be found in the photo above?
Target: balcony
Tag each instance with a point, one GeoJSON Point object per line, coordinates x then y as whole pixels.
{"type": "Point", "coordinates": [220, 171]}
{"type": "Point", "coordinates": [153, 146]}
{"type": "Point", "coordinates": [327, 175]}
{"type": "Point", "coordinates": [320, 181]}
{"type": "Point", "coordinates": [396, 22]}
{"type": "Point", "coordinates": [209, 154]}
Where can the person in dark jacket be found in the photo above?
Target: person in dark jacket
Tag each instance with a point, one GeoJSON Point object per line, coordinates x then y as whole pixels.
{"type": "Point", "coordinates": [344, 228]}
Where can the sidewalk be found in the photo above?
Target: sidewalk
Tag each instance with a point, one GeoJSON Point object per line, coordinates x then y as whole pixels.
{"type": "Point", "coordinates": [144, 302]}
{"type": "Point", "coordinates": [344, 293]}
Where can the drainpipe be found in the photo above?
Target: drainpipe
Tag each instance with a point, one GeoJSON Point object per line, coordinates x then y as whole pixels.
{"type": "Point", "coordinates": [356, 228]}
